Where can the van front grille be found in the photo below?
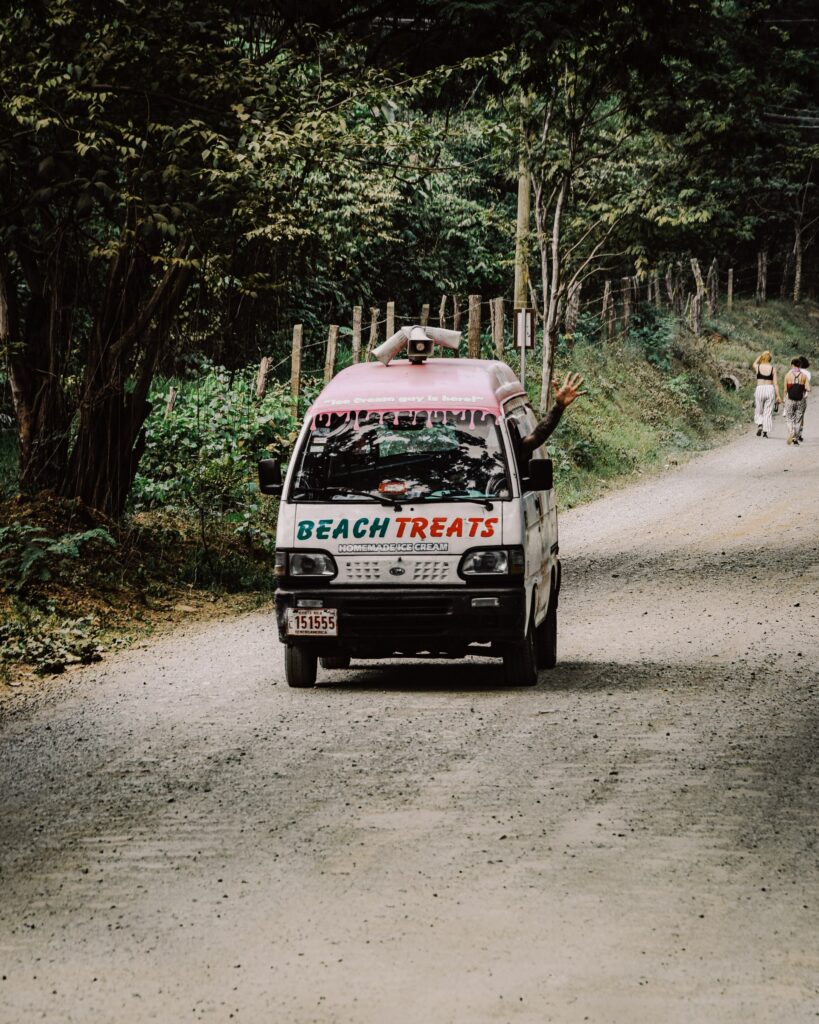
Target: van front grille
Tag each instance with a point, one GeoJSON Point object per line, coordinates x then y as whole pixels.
{"type": "Point", "coordinates": [390, 616]}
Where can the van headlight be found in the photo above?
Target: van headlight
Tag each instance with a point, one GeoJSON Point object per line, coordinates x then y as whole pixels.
{"type": "Point", "coordinates": [305, 564]}
{"type": "Point", "coordinates": [492, 562]}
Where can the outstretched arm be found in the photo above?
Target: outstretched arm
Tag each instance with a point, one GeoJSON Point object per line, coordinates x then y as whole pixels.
{"type": "Point", "coordinates": [564, 396]}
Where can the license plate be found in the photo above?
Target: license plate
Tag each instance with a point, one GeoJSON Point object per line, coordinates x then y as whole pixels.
{"type": "Point", "coordinates": [312, 622]}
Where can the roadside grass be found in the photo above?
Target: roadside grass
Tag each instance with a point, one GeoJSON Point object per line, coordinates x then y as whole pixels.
{"type": "Point", "coordinates": [652, 401]}
{"type": "Point", "coordinates": [198, 538]}
{"type": "Point", "coordinates": [780, 327]}
{"type": "Point", "coordinates": [128, 580]}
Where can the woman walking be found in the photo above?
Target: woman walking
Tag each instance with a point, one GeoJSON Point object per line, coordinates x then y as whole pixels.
{"type": "Point", "coordinates": [796, 387]}
{"type": "Point", "coordinates": [767, 392]}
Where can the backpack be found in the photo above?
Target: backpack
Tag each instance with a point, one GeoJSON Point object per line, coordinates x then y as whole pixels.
{"type": "Point", "coordinates": [796, 388]}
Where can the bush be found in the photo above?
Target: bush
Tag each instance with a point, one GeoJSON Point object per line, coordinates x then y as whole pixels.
{"type": "Point", "coordinates": [654, 332]}
{"type": "Point", "coordinates": [28, 554]}
{"type": "Point", "coordinates": [47, 640]}
{"type": "Point", "coordinates": [203, 455]}
{"type": "Point", "coordinates": [8, 460]}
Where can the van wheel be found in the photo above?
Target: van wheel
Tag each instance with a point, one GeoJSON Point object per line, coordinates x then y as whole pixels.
{"type": "Point", "coordinates": [335, 661]}
{"type": "Point", "coordinates": [300, 667]}
{"type": "Point", "coordinates": [546, 636]}
{"type": "Point", "coordinates": [519, 665]}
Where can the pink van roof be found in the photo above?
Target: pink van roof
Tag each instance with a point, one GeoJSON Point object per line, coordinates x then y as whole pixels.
{"type": "Point", "coordinates": [436, 385]}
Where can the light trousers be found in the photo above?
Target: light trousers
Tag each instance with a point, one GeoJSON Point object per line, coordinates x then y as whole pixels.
{"type": "Point", "coordinates": [763, 407]}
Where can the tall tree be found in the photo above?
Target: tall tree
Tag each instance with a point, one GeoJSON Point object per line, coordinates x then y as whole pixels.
{"type": "Point", "coordinates": [137, 142]}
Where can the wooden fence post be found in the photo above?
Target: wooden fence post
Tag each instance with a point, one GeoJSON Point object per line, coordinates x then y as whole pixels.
{"type": "Point", "coordinates": [373, 339]}
{"type": "Point", "coordinates": [295, 368]}
{"type": "Point", "coordinates": [625, 294]}
{"type": "Point", "coordinates": [696, 303]}
{"type": "Point", "coordinates": [497, 327]}
{"type": "Point", "coordinates": [607, 312]}
{"type": "Point", "coordinates": [173, 392]}
{"type": "Point", "coordinates": [261, 377]}
{"type": "Point", "coordinates": [390, 319]}
{"type": "Point", "coordinates": [442, 312]}
{"type": "Point", "coordinates": [712, 287]}
{"type": "Point", "coordinates": [357, 311]}
{"type": "Point", "coordinates": [425, 314]}
{"type": "Point", "coordinates": [729, 298]}
{"type": "Point", "coordinates": [330, 357]}
{"type": "Point", "coordinates": [456, 314]}
{"type": "Point", "coordinates": [474, 335]}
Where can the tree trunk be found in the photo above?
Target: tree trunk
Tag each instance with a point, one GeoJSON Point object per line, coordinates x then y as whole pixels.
{"type": "Point", "coordinates": [761, 276]}
{"type": "Point", "coordinates": [35, 352]}
{"type": "Point", "coordinates": [552, 307]}
{"type": "Point", "coordinates": [670, 288]}
{"type": "Point", "coordinates": [573, 308]}
{"type": "Point", "coordinates": [105, 455]}
{"type": "Point", "coordinates": [797, 263]}
{"type": "Point", "coordinates": [786, 274]}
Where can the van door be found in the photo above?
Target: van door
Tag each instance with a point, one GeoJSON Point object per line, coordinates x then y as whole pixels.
{"type": "Point", "coordinates": [535, 518]}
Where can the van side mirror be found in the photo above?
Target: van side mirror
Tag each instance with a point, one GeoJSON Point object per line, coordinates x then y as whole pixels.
{"type": "Point", "coordinates": [270, 477]}
{"type": "Point", "coordinates": [541, 475]}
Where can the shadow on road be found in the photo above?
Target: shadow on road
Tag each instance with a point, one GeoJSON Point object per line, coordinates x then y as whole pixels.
{"type": "Point", "coordinates": [471, 676]}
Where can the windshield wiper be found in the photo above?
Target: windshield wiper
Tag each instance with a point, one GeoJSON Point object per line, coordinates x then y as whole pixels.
{"type": "Point", "coordinates": [479, 499]}
{"type": "Point", "coordinates": [382, 499]}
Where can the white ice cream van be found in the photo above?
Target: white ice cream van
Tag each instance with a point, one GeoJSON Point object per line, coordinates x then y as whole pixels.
{"type": "Point", "coordinates": [410, 525]}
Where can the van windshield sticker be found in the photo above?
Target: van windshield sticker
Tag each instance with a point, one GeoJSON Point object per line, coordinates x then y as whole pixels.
{"type": "Point", "coordinates": [467, 407]}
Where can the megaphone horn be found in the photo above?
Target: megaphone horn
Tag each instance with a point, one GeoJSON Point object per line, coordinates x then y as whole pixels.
{"type": "Point", "coordinates": [390, 348]}
{"type": "Point", "coordinates": [449, 339]}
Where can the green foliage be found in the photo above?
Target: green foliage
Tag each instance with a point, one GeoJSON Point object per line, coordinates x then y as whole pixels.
{"type": "Point", "coordinates": [46, 639]}
{"type": "Point", "coordinates": [203, 454]}
{"type": "Point", "coordinates": [8, 463]}
{"type": "Point", "coordinates": [654, 332]}
{"type": "Point", "coordinates": [28, 554]}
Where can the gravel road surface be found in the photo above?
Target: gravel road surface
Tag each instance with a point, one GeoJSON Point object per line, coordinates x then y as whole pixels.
{"type": "Point", "coordinates": [182, 837]}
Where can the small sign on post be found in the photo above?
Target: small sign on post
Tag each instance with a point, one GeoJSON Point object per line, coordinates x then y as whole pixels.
{"type": "Point", "coordinates": [523, 335]}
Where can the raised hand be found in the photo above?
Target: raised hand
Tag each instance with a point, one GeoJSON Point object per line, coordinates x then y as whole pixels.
{"type": "Point", "coordinates": [571, 389]}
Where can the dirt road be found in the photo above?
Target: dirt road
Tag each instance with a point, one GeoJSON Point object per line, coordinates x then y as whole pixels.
{"type": "Point", "coordinates": [635, 840]}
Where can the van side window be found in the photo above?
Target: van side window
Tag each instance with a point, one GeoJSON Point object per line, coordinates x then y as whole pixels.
{"type": "Point", "coordinates": [524, 419]}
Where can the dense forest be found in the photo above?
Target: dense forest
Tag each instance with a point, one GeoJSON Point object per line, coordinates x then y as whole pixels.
{"type": "Point", "coordinates": [182, 183]}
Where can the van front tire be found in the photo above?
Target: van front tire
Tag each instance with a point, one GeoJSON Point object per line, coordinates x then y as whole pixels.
{"type": "Point", "coordinates": [519, 662]}
{"type": "Point", "coordinates": [546, 637]}
{"type": "Point", "coordinates": [300, 667]}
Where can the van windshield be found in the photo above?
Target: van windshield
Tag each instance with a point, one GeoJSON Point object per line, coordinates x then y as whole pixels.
{"type": "Point", "coordinates": [410, 456]}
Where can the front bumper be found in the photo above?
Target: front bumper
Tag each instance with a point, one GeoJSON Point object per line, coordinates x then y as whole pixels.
{"type": "Point", "coordinates": [377, 622]}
